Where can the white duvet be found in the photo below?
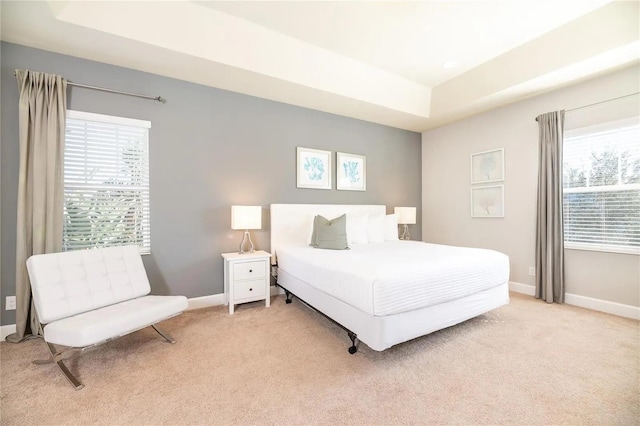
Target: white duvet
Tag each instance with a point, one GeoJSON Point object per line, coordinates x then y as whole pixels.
{"type": "Point", "coordinates": [396, 276]}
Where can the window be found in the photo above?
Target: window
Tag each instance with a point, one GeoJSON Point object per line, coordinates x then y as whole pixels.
{"type": "Point", "coordinates": [106, 182]}
{"type": "Point", "coordinates": [601, 179]}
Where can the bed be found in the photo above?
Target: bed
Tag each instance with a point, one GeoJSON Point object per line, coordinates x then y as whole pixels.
{"type": "Point", "coordinates": [383, 293]}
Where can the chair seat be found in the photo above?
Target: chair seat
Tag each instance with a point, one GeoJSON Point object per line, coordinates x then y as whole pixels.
{"type": "Point", "coordinates": [113, 321]}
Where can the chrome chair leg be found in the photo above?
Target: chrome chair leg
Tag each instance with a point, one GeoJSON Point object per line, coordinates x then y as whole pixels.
{"type": "Point", "coordinates": [57, 358]}
{"type": "Point", "coordinates": [164, 334]}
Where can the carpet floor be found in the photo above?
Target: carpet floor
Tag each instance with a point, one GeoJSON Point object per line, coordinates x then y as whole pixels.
{"type": "Point", "coordinates": [525, 363]}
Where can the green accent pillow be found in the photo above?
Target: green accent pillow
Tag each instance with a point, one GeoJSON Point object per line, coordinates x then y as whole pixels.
{"type": "Point", "coordinates": [330, 234]}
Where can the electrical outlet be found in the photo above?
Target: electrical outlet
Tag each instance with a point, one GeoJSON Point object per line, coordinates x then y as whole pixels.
{"type": "Point", "coordinates": [532, 271]}
{"type": "Point", "coordinates": [10, 304]}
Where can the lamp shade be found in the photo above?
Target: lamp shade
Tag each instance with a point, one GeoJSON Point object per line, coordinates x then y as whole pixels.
{"type": "Point", "coordinates": [406, 215]}
{"type": "Point", "coordinates": [246, 217]}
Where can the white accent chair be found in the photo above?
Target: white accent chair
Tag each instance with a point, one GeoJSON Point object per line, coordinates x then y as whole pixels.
{"type": "Point", "coordinates": [88, 297]}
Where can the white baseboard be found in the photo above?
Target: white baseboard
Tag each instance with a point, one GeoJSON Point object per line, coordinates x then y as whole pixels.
{"type": "Point", "coordinates": [613, 308]}
{"type": "Point", "coordinates": [218, 299]}
{"type": "Point", "coordinates": [522, 288]}
{"type": "Point", "coordinates": [6, 330]}
{"type": "Point", "coordinates": [194, 303]}
{"type": "Point", "coordinates": [206, 301]}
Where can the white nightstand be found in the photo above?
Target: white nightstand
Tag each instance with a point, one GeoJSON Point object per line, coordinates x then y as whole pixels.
{"type": "Point", "coordinates": [246, 278]}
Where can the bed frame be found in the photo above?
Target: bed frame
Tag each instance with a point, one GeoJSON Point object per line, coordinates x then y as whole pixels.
{"type": "Point", "coordinates": [290, 224]}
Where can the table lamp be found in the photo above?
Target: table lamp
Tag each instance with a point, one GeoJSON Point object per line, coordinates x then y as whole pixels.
{"type": "Point", "coordinates": [406, 216]}
{"type": "Point", "coordinates": [246, 217]}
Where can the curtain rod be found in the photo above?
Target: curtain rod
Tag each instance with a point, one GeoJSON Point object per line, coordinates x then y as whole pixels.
{"type": "Point", "coordinates": [600, 102]}
{"type": "Point", "coordinates": [104, 89]}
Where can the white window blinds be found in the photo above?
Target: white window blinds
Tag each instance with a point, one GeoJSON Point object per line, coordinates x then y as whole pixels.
{"type": "Point", "coordinates": [601, 179]}
{"type": "Point", "coordinates": [106, 182]}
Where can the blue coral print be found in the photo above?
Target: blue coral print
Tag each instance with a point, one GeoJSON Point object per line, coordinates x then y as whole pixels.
{"type": "Point", "coordinates": [351, 171]}
{"type": "Point", "coordinates": [314, 168]}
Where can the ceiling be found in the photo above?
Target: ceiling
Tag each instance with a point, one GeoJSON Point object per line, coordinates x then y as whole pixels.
{"type": "Point", "coordinates": [412, 65]}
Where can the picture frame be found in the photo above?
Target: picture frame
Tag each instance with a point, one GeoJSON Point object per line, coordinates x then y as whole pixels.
{"type": "Point", "coordinates": [487, 166]}
{"type": "Point", "coordinates": [351, 172]}
{"type": "Point", "coordinates": [487, 201]}
{"type": "Point", "coordinates": [313, 168]}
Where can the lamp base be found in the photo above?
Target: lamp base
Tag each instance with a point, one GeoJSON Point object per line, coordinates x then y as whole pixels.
{"type": "Point", "coordinates": [405, 233]}
{"type": "Point", "coordinates": [246, 237]}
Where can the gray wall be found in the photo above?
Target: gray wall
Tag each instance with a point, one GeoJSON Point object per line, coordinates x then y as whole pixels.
{"type": "Point", "coordinates": [611, 277]}
{"type": "Point", "coordinates": [209, 149]}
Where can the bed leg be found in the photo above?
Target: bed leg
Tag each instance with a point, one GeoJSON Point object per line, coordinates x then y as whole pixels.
{"type": "Point", "coordinates": [289, 296]}
{"type": "Point", "coordinates": [353, 349]}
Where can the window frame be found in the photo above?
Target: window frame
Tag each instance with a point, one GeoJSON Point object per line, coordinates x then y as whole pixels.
{"type": "Point", "coordinates": [119, 121]}
{"type": "Point", "coordinates": [584, 131]}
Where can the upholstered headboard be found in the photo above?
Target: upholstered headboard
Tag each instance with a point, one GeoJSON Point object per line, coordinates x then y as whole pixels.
{"type": "Point", "coordinates": [291, 223]}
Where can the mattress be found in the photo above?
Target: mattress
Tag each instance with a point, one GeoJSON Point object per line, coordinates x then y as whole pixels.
{"type": "Point", "coordinates": [387, 278]}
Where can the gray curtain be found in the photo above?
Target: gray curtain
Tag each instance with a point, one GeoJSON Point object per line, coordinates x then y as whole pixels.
{"type": "Point", "coordinates": [549, 232]}
{"type": "Point", "coordinates": [42, 114]}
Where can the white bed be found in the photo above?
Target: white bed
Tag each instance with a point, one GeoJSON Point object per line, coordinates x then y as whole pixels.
{"type": "Point", "coordinates": [388, 292]}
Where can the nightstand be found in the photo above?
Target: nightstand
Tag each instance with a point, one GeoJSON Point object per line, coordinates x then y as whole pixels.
{"type": "Point", "coordinates": [246, 278]}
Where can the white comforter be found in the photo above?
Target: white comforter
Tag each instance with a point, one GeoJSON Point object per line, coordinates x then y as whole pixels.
{"type": "Point", "coordinates": [396, 276]}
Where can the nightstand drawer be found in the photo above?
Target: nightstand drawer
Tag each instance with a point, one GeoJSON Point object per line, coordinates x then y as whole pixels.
{"type": "Point", "coordinates": [248, 289]}
{"type": "Point", "coordinates": [249, 270]}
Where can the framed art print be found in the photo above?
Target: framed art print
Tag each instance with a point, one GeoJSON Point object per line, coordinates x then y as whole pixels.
{"type": "Point", "coordinates": [487, 166]}
{"type": "Point", "coordinates": [487, 201]}
{"type": "Point", "coordinates": [351, 172]}
{"type": "Point", "coordinates": [313, 168]}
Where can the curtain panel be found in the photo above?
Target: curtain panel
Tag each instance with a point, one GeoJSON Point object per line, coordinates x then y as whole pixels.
{"type": "Point", "coordinates": [549, 226]}
{"type": "Point", "coordinates": [42, 114]}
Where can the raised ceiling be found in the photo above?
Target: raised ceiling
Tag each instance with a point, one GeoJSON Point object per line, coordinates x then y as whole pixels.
{"type": "Point", "coordinates": [411, 65]}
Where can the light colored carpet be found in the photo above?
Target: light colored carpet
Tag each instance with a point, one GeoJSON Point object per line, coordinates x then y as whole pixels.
{"type": "Point", "coordinates": [525, 363]}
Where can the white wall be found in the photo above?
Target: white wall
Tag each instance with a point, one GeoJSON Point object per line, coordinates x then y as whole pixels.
{"type": "Point", "coordinates": [446, 199]}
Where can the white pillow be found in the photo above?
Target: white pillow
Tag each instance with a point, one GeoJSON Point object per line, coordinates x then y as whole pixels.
{"type": "Point", "coordinates": [376, 229]}
{"type": "Point", "coordinates": [357, 229]}
{"type": "Point", "coordinates": [391, 227]}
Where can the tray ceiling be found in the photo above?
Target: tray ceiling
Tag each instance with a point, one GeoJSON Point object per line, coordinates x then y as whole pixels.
{"type": "Point", "coordinates": [411, 65]}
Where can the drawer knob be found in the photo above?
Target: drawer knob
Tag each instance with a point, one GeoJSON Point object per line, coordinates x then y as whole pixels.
{"type": "Point", "coordinates": [250, 270]}
{"type": "Point", "coordinates": [250, 289]}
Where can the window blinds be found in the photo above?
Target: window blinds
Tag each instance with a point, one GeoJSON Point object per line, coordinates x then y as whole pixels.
{"type": "Point", "coordinates": [601, 179]}
{"type": "Point", "coordinates": [106, 182]}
